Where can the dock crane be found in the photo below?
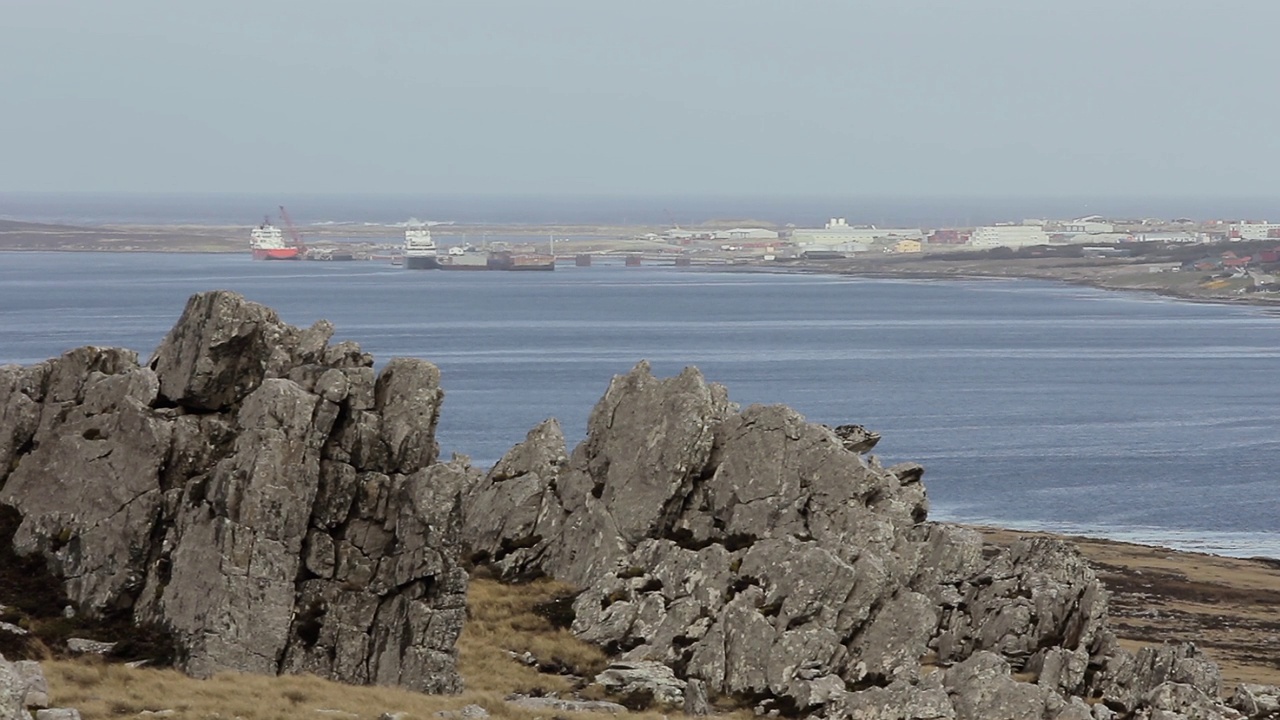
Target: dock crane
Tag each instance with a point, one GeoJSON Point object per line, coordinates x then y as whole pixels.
{"type": "Point", "coordinates": [293, 231]}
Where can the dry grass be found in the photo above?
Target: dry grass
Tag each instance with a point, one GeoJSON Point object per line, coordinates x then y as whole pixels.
{"type": "Point", "coordinates": [1229, 607]}
{"type": "Point", "coordinates": [503, 619]}
{"type": "Point", "coordinates": [102, 690]}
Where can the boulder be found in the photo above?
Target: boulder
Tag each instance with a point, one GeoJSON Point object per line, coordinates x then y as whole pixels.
{"type": "Point", "coordinates": [22, 687]}
{"type": "Point", "coordinates": [270, 501]}
{"type": "Point", "coordinates": [652, 678]}
{"type": "Point", "coordinates": [857, 438]}
{"type": "Point", "coordinates": [1256, 701]}
{"type": "Point", "coordinates": [553, 703]}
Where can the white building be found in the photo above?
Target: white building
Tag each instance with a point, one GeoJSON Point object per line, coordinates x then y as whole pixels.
{"type": "Point", "coordinates": [1172, 237]}
{"type": "Point", "coordinates": [1011, 236]}
{"type": "Point", "coordinates": [839, 233]}
{"type": "Point", "coordinates": [1253, 231]}
{"type": "Point", "coordinates": [1088, 227]}
{"type": "Point", "coordinates": [1086, 238]}
{"type": "Point", "coordinates": [746, 234]}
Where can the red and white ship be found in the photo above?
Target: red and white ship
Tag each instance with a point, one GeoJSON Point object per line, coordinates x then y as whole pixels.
{"type": "Point", "coordinates": [267, 241]}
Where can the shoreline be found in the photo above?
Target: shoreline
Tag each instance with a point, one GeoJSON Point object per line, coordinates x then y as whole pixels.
{"type": "Point", "coordinates": [1230, 607]}
{"type": "Point", "coordinates": [1154, 270]}
{"type": "Point", "coordinates": [1002, 270]}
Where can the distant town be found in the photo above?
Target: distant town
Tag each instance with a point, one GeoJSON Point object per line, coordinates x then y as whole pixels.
{"type": "Point", "coordinates": [838, 238]}
{"type": "Point", "coordinates": [1222, 260]}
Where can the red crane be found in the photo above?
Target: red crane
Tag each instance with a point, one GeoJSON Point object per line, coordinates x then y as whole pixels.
{"type": "Point", "coordinates": [293, 231]}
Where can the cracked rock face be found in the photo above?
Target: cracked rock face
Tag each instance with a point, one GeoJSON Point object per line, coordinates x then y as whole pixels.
{"type": "Point", "coordinates": [262, 494]}
{"type": "Point", "coordinates": [768, 558]}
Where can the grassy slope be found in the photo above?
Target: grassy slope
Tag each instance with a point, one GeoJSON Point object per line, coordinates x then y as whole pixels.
{"type": "Point", "coordinates": [1230, 607]}
{"type": "Point", "coordinates": [503, 619]}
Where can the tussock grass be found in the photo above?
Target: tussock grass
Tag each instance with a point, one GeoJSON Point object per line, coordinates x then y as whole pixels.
{"type": "Point", "coordinates": [505, 618]}
{"type": "Point", "coordinates": [103, 690]}
{"type": "Point", "coordinates": [502, 619]}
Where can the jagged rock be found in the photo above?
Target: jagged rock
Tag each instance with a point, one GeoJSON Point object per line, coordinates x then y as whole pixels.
{"type": "Point", "coordinates": [653, 678]}
{"type": "Point", "coordinates": [1173, 700]}
{"type": "Point", "coordinates": [88, 488]}
{"type": "Point", "coordinates": [1256, 700]}
{"type": "Point", "coordinates": [21, 390]}
{"type": "Point", "coordinates": [15, 684]}
{"type": "Point", "coordinates": [551, 703]}
{"type": "Point", "coordinates": [60, 714]}
{"type": "Point", "coordinates": [269, 500]}
{"type": "Point", "coordinates": [224, 346]}
{"type": "Point", "coordinates": [1128, 678]}
{"type": "Point", "coordinates": [81, 646]}
{"type": "Point", "coordinates": [766, 557]}
{"type": "Point", "coordinates": [696, 703]}
{"type": "Point", "coordinates": [509, 515]}
{"type": "Point", "coordinates": [647, 440]}
{"type": "Point", "coordinates": [857, 438]}
{"type": "Point", "coordinates": [981, 687]}
{"type": "Point", "coordinates": [30, 676]}
{"type": "Point", "coordinates": [468, 712]}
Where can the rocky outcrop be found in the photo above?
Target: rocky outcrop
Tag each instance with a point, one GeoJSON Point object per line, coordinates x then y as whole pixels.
{"type": "Point", "coordinates": [267, 497]}
{"type": "Point", "coordinates": [277, 505]}
{"type": "Point", "coordinates": [23, 689]}
{"type": "Point", "coordinates": [768, 559]}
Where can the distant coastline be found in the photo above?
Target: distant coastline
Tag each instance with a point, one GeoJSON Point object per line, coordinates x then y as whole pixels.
{"type": "Point", "coordinates": [1158, 274]}
{"type": "Point", "coordinates": [1115, 275]}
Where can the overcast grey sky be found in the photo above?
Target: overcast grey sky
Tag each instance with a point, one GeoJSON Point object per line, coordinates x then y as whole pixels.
{"type": "Point", "coordinates": [972, 97]}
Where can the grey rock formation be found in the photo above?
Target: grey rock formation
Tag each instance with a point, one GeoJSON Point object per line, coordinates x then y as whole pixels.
{"type": "Point", "coordinates": [82, 646]}
{"type": "Point", "coordinates": [1257, 701]}
{"type": "Point", "coordinates": [269, 499]}
{"type": "Point", "coordinates": [765, 557]}
{"type": "Point", "coordinates": [22, 688]}
{"type": "Point", "coordinates": [1128, 679]}
{"type": "Point", "coordinates": [1176, 701]}
{"type": "Point", "coordinates": [696, 702]}
{"type": "Point", "coordinates": [857, 438]}
{"type": "Point", "coordinates": [652, 678]}
{"type": "Point", "coordinates": [59, 714]}
{"type": "Point", "coordinates": [552, 703]}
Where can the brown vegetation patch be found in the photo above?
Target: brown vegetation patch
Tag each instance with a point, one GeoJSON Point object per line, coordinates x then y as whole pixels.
{"type": "Point", "coordinates": [504, 619]}
{"type": "Point", "coordinates": [1230, 607]}
{"type": "Point", "coordinates": [530, 618]}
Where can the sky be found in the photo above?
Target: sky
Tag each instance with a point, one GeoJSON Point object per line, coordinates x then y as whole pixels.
{"type": "Point", "coordinates": [706, 97]}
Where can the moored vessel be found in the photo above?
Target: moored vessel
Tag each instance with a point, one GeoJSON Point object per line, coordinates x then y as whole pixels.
{"type": "Point", "coordinates": [266, 242]}
{"type": "Point", "coordinates": [524, 260]}
{"type": "Point", "coordinates": [521, 261]}
{"type": "Point", "coordinates": [419, 249]}
{"type": "Point", "coordinates": [464, 258]}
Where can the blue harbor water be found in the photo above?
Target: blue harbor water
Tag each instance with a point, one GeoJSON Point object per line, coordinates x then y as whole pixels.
{"type": "Point", "coordinates": [1032, 405]}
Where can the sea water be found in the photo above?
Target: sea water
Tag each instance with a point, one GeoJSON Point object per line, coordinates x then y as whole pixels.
{"type": "Point", "coordinates": [1031, 405]}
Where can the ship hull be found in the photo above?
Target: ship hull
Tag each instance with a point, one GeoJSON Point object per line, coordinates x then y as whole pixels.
{"type": "Point", "coordinates": [462, 266]}
{"type": "Point", "coordinates": [421, 262]}
{"type": "Point", "coordinates": [522, 261]}
{"type": "Point", "coordinates": [466, 261]}
{"type": "Point", "coordinates": [288, 253]}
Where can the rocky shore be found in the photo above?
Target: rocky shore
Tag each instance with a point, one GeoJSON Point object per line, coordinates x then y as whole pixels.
{"type": "Point", "coordinates": [255, 499]}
